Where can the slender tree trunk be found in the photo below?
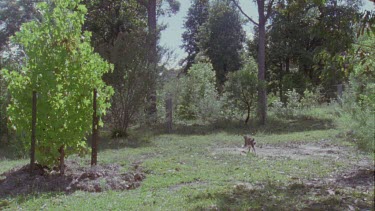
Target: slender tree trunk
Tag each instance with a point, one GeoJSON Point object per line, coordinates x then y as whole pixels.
{"type": "Point", "coordinates": [169, 112]}
{"type": "Point", "coordinates": [262, 90]}
{"type": "Point", "coordinates": [248, 114]}
{"type": "Point", "coordinates": [95, 132]}
{"type": "Point", "coordinates": [62, 160]}
{"type": "Point", "coordinates": [33, 128]}
{"type": "Point", "coordinates": [287, 65]}
{"type": "Point", "coordinates": [281, 75]}
{"type": "Point", "coordinates": [152, 57]}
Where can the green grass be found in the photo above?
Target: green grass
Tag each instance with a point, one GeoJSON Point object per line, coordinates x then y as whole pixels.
{"type": "Point", "coordinates": [187, 170]}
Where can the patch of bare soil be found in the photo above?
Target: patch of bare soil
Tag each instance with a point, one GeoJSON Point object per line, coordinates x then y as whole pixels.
{"type": "Point", "coordinates": [18, 181]}
{"type": "Point", "coordinates": [357, 178]}
{"type": "Point", "coordinates": [360, 176]}
{"type": "Point", "coordinates": [292, 151]}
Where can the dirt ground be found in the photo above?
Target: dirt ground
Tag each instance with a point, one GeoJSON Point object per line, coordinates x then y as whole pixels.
{"type": "Point", "coordinates": [360, 176]}
{"type": "Point", "coordinates": [92, 179]}
{"type": "Point", "coordinates": [290, 150]}
{"type": "Point", "coordinates": [111, 177]}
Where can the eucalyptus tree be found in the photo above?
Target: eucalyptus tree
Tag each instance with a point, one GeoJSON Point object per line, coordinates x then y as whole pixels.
{"type": "Point", "coordinates": [221, 38]}
{"type": "Point", "coordinates": [124, 33]}
{"type": "Point", "coordinates": [196, 17]}
{"type": "Point", "coordinates": [155, 8]}
{"type": "Point", "coordinates": [264, 13]}
{"type": "Point", "coordinates": [307, 35]}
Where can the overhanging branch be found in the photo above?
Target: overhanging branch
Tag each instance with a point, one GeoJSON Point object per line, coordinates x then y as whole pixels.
{"type": "Point", "coordinates": [269, 9]}
{"type": "Point", "coordinates": [243, 13]}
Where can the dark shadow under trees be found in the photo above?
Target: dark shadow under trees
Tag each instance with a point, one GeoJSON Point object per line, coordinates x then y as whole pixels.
{"type": "Point", "coordinates": [273, 126]}
{"type": "Point", "coordinates": [314, 195]}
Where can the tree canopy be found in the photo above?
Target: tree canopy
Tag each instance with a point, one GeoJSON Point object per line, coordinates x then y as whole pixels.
{"type": "Point", "coordinates": [60, 65]}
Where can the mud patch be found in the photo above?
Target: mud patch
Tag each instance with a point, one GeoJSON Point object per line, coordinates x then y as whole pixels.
{"type": "Point", "coordinates": [18, 181]}
{"type": "Point", "coordinates": [357, 178]}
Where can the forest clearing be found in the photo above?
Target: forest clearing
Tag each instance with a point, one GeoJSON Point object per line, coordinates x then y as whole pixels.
{"type": "Point", "coordinates": [305, 165]}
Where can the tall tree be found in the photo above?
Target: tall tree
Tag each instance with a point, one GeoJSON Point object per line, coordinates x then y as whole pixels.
{"type": "Point", "coordinates": [264, 13]}
{"type": "Point", "coordinates": [221, 39]}
{"type": "Point", "coordinates": [152, 6]}
{"type": "Point", "coordinates": [306, 35]}
{"type": "Point", "coordinates": [196, 17]}
{"type": "Point", "coordinates": [120, 35]}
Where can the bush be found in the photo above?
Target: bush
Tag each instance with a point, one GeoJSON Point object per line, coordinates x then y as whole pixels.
{"type": "Point", "coordinates": [241, 89]}
{"type": "Point", "coordinates": [358, 102]}
{"type": "Point", "coordinates": [357, 119]}
{"type": "Point", "coordinates": [296, 104]}
{"type": "Point", "coordinates": [310, 98]}
{"type": "Point", "coordinates": [292, 106]}
{"type": "Point", "coordinates": [198, 98]}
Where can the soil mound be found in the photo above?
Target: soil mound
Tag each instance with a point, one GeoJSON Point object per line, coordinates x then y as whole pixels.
{"type": "Point", "coordinates": [18, 181]}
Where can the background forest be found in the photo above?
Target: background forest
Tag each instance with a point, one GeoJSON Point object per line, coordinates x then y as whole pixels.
{"type": "Point", "coordinates": [308, 62]}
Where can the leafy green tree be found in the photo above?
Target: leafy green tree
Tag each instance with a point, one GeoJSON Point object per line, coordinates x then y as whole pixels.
{"type": "Point", "coordinates": [358, 101]}
{"type": "Point", "coordinates": [108, 19]}
{"type": "Point", "coordinates": [198, 97]}
{"type": "Point", "coordinates": [196, 17]}
{"type": "Point", "coordinates": [61, 67]}
{"type": "Point", "coordinates": [221, 39]}
{"type": "Point", "coordinates": [119, 35]}
{"type": "Point", "coordinates": [129, 79]}
{"type": "Point", "coordinates": [303, 41]}
{"type": "Point", "coordinates": [12, 15]}
{"type": "Point", "coordinates": [241, 88]}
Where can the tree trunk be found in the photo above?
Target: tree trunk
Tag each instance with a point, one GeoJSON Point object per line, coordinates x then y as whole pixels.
{"type": "Point", "coordinates": [248, 114]}
{"type": "Point", "coordinates": [169, 113]}
{"type": "Point", "coordinates": [262, 92]}
{"type": "Point", "coordinates": [152, 57]}
{"type": "Point", "coordinates": [287, 64]}
{"type": "Point", "coordinates": [33, 128]}
{"type": "Point", "coordinates": [281, 75]}
{"type": "Point", "coordinates": [95, 133]}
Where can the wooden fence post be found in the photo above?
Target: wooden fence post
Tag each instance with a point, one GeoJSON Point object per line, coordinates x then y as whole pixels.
{"type": "Point", "coordinates": [95, 133]}
{"type": "Point", "coordinates": [62, 159]}
{"type": "Point", "coordinates": [33, 128]}
{"type": "Point", "coordinates": [339, 93]}
{"type": "Point", "coordinates": [169, 112]}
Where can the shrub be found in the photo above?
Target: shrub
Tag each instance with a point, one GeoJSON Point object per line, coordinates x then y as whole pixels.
{"type": "Point", "coordinates": [292, 106]}
{"type": "Point", "coordinates": [358, 101]}
{"type": "Point", "coordinates": [198, 98]}
{"type": "Point", "coordinates": [241, 88]}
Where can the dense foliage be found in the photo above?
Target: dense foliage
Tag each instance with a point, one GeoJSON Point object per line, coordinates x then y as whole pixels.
{"type": "Point", "coordinates": [358, 103]}
{"type": "Point", "coordinates": [198, 97]}
{"type": "Point", "coordinates": [221, 38]}
{"type": "Point", "coordinates": [241, 88]}
{"type": "Point", "coordinates": [196, 17]}
{"type": "Point", "coordinates": [60, 65]}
